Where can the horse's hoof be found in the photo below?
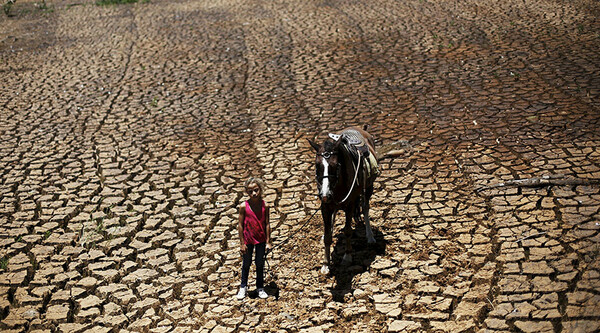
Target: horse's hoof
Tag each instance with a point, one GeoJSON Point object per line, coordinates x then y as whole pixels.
{"type": "Point", "coordinates": [347, 259]}
{"type": "Point", "coordinates": [325, 270]}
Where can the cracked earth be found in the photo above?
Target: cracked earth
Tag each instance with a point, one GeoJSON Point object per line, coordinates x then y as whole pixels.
{"type": "Point", "coordinates": [126, 133]}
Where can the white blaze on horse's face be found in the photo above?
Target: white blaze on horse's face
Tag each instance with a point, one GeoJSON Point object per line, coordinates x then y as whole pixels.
{"type": "Point", "coordinates": [325, 190]}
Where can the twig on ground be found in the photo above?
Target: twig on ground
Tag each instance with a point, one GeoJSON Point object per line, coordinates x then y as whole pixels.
{"type": "Point", "coordinates": [394, 149]}
{"type": "Point", "coordinates": [530, 236]}
{"type": "Point", "coordinates": [541, 181]}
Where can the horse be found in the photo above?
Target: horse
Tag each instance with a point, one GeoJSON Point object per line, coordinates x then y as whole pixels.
{"type": "Point", "coordinates": [346, 168]}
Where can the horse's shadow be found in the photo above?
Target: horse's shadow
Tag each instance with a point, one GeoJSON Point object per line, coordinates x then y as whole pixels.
{"type": "Point", "coordinates": [363, 254]}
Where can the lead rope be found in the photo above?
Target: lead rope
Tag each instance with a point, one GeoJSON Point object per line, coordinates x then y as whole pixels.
{"type": "Point", "coordinates": [287, 239]}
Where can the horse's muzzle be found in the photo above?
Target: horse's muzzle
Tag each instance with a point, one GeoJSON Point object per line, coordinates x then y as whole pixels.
{"type": "Point", "coordinates": [325, 198]}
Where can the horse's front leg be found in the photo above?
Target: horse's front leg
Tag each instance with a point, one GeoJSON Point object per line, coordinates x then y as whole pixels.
{"type": "Point", "coordinates": [328, 223]}
{"type": "Point", "coordinates": [368, 230]}
{"type": "Point", "coordinates": [348, 235]}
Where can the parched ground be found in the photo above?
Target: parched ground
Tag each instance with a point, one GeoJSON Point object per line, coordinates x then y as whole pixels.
{"type": "Point", "coordinates": [126, 133]}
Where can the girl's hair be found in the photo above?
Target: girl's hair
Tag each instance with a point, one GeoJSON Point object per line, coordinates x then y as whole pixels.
{"type": "Point", "coordinates": [257, 181]}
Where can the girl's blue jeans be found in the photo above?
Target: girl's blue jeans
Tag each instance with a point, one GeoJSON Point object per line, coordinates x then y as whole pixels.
{"type": "Point", "coordinates": [259, 261]}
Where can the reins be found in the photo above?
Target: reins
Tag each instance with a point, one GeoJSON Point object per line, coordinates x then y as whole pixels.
{"type": "Point", "coordinates": [355, 177]}
{"type": "Point", "coordinates": [326, 155]}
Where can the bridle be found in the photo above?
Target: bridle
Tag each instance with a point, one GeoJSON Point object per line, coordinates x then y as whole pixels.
{"type": "Point", "coordinates": [327, 155]}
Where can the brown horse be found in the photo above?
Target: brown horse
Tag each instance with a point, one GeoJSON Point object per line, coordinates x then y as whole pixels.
{"type": "Point", "coordinates": [346, 167]}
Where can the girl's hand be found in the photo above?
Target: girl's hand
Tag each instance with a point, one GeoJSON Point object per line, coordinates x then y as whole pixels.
{"type": "Point", "coordinates": [269, 247]}
{"type": "Point", "coordinates": [243, 248]}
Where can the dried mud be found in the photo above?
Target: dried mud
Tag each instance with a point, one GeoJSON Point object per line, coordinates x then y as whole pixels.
{"type": "Point", "coordinates": [126, 133]}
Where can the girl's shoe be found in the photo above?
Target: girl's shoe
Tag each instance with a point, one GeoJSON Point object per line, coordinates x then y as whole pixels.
{"type": "Point", "coordinates": [242, 293]}
{"type": "Point", "coordinates": [262, 293]}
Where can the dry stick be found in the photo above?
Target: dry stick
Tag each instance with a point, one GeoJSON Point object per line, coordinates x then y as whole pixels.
{"type": "Point", "coordinates": [526, 237]}
{"type": "Point", "coordinates": [531, 236]}
{"type": "Point", "coordinates": [541, 181]}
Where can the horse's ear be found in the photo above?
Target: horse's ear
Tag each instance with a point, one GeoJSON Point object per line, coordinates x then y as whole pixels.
{"type": "Point", "coordinates": [315, 146]}
{"type": "Point", "coordinates": [338, 141]}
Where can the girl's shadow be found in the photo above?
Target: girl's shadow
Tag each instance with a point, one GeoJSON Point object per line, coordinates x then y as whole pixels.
{"type": "Point", "coordinates": [272, 289]}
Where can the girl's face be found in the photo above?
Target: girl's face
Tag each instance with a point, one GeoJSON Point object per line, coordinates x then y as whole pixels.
{"type": "Point", "coordinates": [254, 191]}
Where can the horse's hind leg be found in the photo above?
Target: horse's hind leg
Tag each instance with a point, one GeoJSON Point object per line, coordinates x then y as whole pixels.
{"type": "Point", "coordinates": [357, 215]}
{"type": "Point", "coordinates": [369, 232]}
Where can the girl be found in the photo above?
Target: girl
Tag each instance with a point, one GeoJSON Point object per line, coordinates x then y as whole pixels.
{"type": "Point", "coordinates": [255, 233]}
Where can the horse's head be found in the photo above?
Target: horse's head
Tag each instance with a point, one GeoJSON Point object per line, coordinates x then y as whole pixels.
{"type": "Point", "coordinates": [328, 167]}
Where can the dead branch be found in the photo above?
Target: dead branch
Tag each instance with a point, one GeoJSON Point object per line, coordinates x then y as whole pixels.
{"type": "Point", "coordinates": [549, 180]}
{"type": "Point", "coordinates": [394, 149]}
{"type": "Point", "coordinates": [531, 236]}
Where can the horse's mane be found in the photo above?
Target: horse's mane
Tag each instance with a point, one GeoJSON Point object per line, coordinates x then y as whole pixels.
{"type": "Point", "coordinates": [329, 145]}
